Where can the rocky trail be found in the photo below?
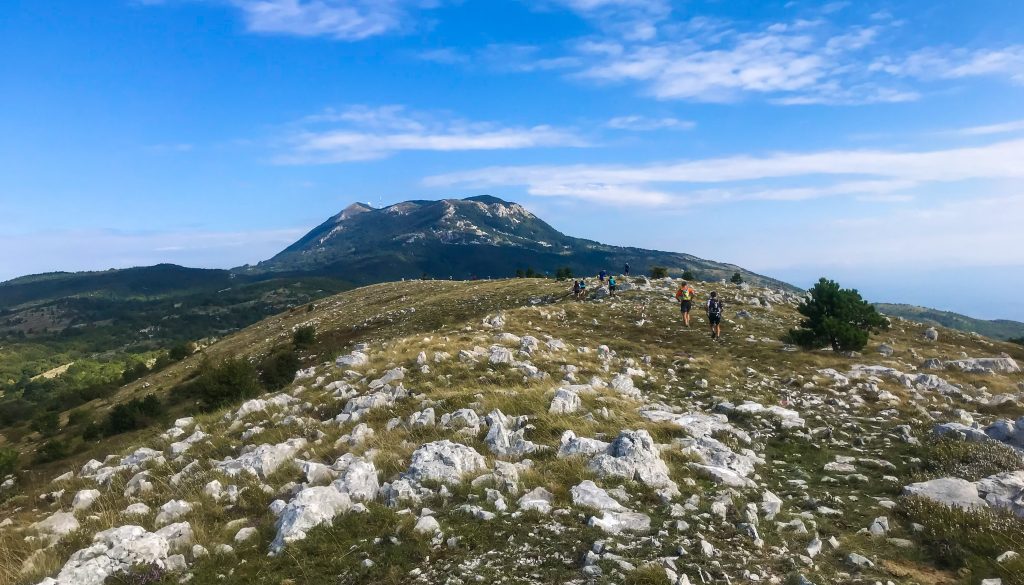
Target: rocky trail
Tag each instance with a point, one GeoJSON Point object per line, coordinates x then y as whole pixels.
{"type": "Point", "coordinates": [529, 438]}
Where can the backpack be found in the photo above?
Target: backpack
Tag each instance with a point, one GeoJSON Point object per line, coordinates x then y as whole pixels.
{"type": "Point", "coordinates": [714, 307]}
{"type": "Point", "coordinates": [611, 281]}
{"type": "Point", "coordinates": [684, 294]}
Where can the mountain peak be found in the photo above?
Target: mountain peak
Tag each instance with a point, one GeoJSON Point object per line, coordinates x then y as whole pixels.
{"type": "Point", "coordinates": [352, 210]}
{"type": "Point", "coordinates": [487, 200]}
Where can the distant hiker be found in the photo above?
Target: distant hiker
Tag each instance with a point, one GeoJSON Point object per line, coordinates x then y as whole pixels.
{"type": "Point", "coordinates": [576, 289]}
{"type": "Point", "coordinates": [715, 307]}
{"type": "Point", "coordinates": [685, 295]}
{"type": "Point", "coordinates": [625, 271]}
{"type": "Point", "coordinates": [611, 286]}
{"type": "Point", "coordinates": [601, 275]}
{"type": "Point", "coordinates": [583, 290]}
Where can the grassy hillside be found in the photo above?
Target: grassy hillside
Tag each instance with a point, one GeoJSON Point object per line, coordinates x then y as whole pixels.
{"type": "Point", "coordinates": [835, 471]}
{"type": "Point", "coordinates": [996, 329]}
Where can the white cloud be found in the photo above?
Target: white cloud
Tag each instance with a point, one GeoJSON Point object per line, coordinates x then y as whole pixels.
{"type": "Point", "coordinates": [631, 19]}
{"type": "Point", "coordinates": [830, 173]}
{"type": "Point", "coordinates": [792, 63]}
{"type": "Point", "coordinates": [934, 64]}
{"type": "Point", "coordinates": [644, 124]}
{"type": "Point", "coordinates": [344, 20]}
{"type": "Point", "coordinates": [365, 133]}
{"type": "Point", "coordinates": [1003, 128]}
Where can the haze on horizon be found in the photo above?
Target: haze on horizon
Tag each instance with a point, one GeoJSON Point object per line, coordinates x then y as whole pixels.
{"type": "Point", "coordinates": [877, 143]}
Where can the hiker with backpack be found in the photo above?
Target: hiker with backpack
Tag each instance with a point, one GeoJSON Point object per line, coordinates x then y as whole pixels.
{"type": "Point", "coordinates": [576, 289]}
{"type": "Point", "coordinates": [583, 290]}
{"type": "Point", "coordinates": [715, 308]}
{"type": "Point", "coordinates": [601, 275]}
{"type": "Point", "coordinates": [611, 286]}
{"type": "Point", "coordinates": [625, 272]}
{"type": "Point", "coordinates": [685, 295]}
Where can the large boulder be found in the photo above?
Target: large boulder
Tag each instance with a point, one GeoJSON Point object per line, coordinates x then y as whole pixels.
{"type": "Point", "coordinates": [358, 480]}
{"type": "Point", "coordinates": [634, 455]}
{"type": "Point", "coordinates": [951, 491]}
{"type": "Point", "coordinates": [445, 462]}
{"type": "Point", "coordinates": [113, 551]}
{"type": "Point", "coordinates": [565, 402]}
{"type": "Point", "coordinates": [311, 507]}
{"type": "Point", "coordinates": [262, 460]}
{"type": "Point", "coordinates": [589, 495]}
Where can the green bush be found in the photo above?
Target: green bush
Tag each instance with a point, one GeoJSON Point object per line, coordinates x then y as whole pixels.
{"type": "Point", "coordinates": [8, 461]}
{"type": "Point", "coordinates": [52, 451]}
{"type": "Point", "coordinates": [737, 278]}
{"type": "Point", "coordinates": [659, 272]}
{"type": "Point", "coordinates": [46, 423]}
{"type": "Point", "coordinates": [968, 540]}
{"type": "Point", "coordinates": [563, 273]}
{"type": "Point", "coordinates": [132, 415]}
{"type": "Point", "coordinates": [966, 459]}
{"type": "Point", "coordinates": [77, 417]}
{"type": "Point", "coordinates": [304, 337]}
{"type": "Point", "coordinates": [689, 275]}
{"type": "Point", "coordinates": [278, 368]}
{"type": "Point", "coordinates": [181, 351]}
{"type": "Point", "coordinates": [222, 383]}
{"type": "Point", "coordinates": [837, 317]}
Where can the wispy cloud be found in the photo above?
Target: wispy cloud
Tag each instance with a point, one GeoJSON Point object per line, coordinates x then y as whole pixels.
{"type": "Point", "coordinates": [365, 133]}
{"type": "Point", "coordinates": [644, 124]}
{"type": "Point", "coordinates": [790, 63]}
{"type": "Point", "coordinates": [862, 173]}
{"type": "Point", "coordinates": [956, 63]}
{"type": "Point", "coordinates": [631, 19]}
{"type": "Point", "coordinates": [343, 20]}
{"type": "Point", "coordinates": [1002, 128]}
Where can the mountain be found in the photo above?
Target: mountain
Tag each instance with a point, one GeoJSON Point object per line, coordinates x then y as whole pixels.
{"type": "Point", "coordinates": [481, 236]}
{"type": "Point", "coordinates": [997, 328]}
{"type": "Point", "coordinates": [458, 432]}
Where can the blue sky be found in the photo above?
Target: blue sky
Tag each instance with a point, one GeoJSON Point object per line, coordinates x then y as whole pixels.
{"type": "Point", "coordinates": [880, 143]}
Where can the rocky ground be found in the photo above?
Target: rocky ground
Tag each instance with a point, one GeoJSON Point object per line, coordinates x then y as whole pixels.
{"type": "Point", "coordinates": [512, 435]}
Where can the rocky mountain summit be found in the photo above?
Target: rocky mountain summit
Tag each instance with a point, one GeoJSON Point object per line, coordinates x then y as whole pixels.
{"type": "Point", "coordinates": [481, 236]}
{"type": "Point", "coordinates": [497, 431]}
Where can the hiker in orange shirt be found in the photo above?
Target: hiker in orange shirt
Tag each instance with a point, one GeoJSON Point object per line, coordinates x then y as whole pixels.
{"type": "Point", "coordinates": [685, 296]}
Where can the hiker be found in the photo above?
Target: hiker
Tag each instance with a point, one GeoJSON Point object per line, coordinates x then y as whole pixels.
{"type": "Point", "coordinates": [715, 307]}
{"type": "Point", "coordinates": [576, 289]}
{"type": "Point", "coordinates": [611, 286]}
{"type": "Point", "coordinates": [601, 275]}
{"type": "Point", "coordinates": [583, 290]}
{"type": "Point", "coordinates": [625, 271]}
{"type": "Point", "coordinates": [685, 295]}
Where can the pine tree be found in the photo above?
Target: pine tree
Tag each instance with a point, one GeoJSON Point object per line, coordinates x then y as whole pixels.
{"type": "Point", "coordinates": [837, 317]}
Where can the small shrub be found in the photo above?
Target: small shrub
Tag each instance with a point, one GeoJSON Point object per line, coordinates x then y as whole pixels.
{"type": "Point", "coordinates": [304, 337]}
{"type": "Point", "coordinates": [277, 369]}
{"type": "Point", "coordinates": [737, 278]}
{"type": "Point", "coordinates": [8, 461]}
{"type": "Point", "coordinates": [46, 423]}
{"type": "Point", "coordinates": [689, 275]}
{"type": "Point", "coordinates": [181, 351]}
{"type": "Point", "coordinates": [965, 459]}
{"type": "Point", "coordinates": [659, 272]}
{"type": "Point", "coordinates": [968, 539]}
{"type": "Point", "coordinates": [77, 417]}
{"type": "Point", "coordinates": [52, 451]}
{"type": "Point", "coordinates": [132, 415]}
{"type": "Point", "coordinates": [563, 273]}
{"type": "Point", "coordinates": [222, 383]}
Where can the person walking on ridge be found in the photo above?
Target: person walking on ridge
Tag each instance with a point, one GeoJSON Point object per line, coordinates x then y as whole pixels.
{"type": "Point", "coordinates": [685, 295]}
{"type": "Point", "coordinates": [625, 272]}
{"type": "Point", "coordinates": [611, 285]}
{"type": "Point", "coordinates": [715, 308]}
{"type": "Point", "coordinates": [601, 275]}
